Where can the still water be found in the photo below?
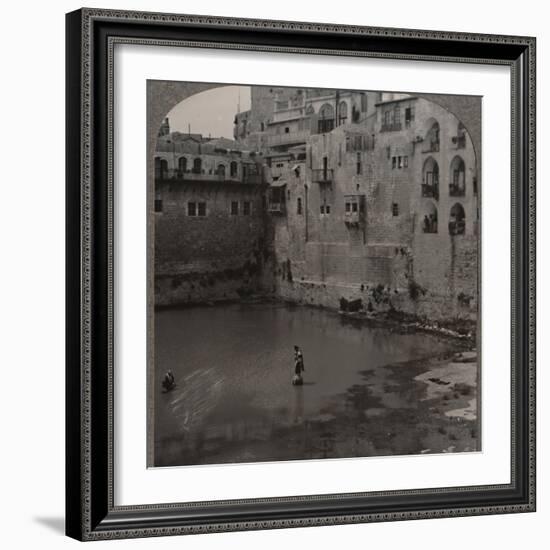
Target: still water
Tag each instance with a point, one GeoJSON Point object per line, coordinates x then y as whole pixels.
{"type": "Point", "coordinates": [233, 365]}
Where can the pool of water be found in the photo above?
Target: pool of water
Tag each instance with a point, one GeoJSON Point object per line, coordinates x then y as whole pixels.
{"type": "Point", "coordinates": [233, 365]}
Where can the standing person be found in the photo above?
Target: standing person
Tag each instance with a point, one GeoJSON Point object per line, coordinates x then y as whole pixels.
{"type": "Point", "coordinates": [298, 366]}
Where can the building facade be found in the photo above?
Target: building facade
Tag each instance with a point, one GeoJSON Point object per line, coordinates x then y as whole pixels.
{"type": "Point", "coordinates": [209, 219]}
{"type": "Point", "coordinates": [363, 197]}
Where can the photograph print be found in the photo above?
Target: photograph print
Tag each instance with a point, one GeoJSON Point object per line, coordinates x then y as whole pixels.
{"type": "Point", "coordinates": [313, 273]}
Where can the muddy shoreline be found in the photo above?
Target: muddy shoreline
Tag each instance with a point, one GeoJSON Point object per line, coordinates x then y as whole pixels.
{"type": "Point", "coordinates": [459, 329]}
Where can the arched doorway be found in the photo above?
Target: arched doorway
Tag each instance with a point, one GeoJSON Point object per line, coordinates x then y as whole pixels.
{"type": "Point", "coordinates": [457, 185]}
{"type": "Point", "coordinates": [326, 118]}
{"type": "Point", "coordinates": [429, 218]}
{"type": "Point", "coordinates": [182, 165]}
{"type": "Point", "coordinates": [457, 220]}
{"type": "Point", "coordinates": [430, 179]}
{"type": "Point", "coordinates": [342, 113]}
{"type": "Point", "coordinates": [161, 168]}
{"type": "Point", "coordinates": [197, 166]}
{"type": "Point", "coordinates": [220, 171]}
{"type": "Point", "coordinates": [432, 136]}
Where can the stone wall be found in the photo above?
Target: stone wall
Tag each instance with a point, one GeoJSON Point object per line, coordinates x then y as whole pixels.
{"type": "Point", "coordinates": [208, 257]}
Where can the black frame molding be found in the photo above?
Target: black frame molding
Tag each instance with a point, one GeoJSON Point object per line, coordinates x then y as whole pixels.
{"type": "Point", "coordinates": [90, 510]}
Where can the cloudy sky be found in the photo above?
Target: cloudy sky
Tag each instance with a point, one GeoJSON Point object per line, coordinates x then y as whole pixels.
{"type": "Point", "coordinates": [211, 112]}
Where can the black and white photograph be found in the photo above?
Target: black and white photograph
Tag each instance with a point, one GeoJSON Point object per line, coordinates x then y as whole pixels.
{"type": "Point", "coordinates": [313, 273]}
{"type": "Point", "coordinates": [270, 275]}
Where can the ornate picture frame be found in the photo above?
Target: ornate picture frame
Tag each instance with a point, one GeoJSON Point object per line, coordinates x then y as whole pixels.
{"type": "Point", "coordinates": [91, 511]}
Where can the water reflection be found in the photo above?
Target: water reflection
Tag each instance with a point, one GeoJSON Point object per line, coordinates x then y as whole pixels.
{"type": "Point", "coordinates": [234, 363]}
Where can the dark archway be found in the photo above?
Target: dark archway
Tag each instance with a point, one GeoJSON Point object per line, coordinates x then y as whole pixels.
{"type": "Point", "coordinates": [457, 185]}
{"type": "Point", "coordinates": [429, 218]}
{"type": "Point", "coordinates": [457, 220]}
{"type": "Point", "coordinates": [342, 113]}
{"type": "Point", "coordinates": [432, 136]}
{"type": "Point", "coordinates": [161, 168]}
{"type": "Point", "coordinates": [197, 166]}
{"type": "Point", "coordinates": [182, 165]}
{"type": "Point", "coordinates": [430, 178]}
{"type": "Point", "coordinates": [326, 118]}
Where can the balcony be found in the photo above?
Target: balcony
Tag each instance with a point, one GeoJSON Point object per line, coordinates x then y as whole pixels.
{"type": "Point", "coordinates": [430, 191]}
{"type": "Point", "coordinates": [252, 179]}
{"type": "Point", "coordinates": [291, 138]}
{"type": "Point", "coordinates": [354, 213]}
{"type": "Point", "coordinates": [456, 190]}
{"type": "Point", "coordinates": [194, 176]}
{"type": "Point", "coordinates": [457, 227]}
{"type": "Point", "coordinates": [276, 208]}
{"type": "Point", "coordinates": [432, 147]}
{"type": "Point", "coordinates": [459, 141]}
{"type": "Point", "coordinates": [353, 218]}
{"type": "Point", "coordinates": [322, 175]}
{"type": "Point", "coordinates": [393, 127]}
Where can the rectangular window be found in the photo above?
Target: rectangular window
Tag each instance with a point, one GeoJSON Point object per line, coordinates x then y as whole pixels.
{"type": "Point", "coordinates": [191, 208]}
{"type": "Point", "coordinates": [158, 205]}
{"type": "Point", "coordinates": [393, 162]}
{"type": "Point", "coordinates": [354, 206]}
{"type": "Point", "coordinates": [397, 116]}
{"type": "Point", "coordinates": [399, 162]}
{"type": "Point", "coordinates": [246, 208]}
{"type": "Point", "coordinates": [322, 209]}
{"type": "Point", "coordinates": [299, 206]}
{"type": "Point", "coordinates": [405, 161]}
{"type": "Point", "coordinates": [395, 209]}
{"type": "Point", "coordinates": [201, 208]}
{"type": "Point", "coordinates": [327, 208]}
{"type": "Point", "coordinates": [348, 207]}
{"type": "Point", "coordinates": [234, 208]}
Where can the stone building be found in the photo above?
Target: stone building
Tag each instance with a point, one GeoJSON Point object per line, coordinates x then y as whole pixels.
{"type": "Point", "coordinates": [209, 218]}
{"type": "Point", "coordinates": [382, 207]}
{"type": "Point", "coordinates": [350, 196]}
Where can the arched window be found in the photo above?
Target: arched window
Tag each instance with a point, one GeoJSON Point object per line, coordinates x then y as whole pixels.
{"type": "Point", "coordinates": [432, 137]}
{"type": "Point", "coordinates": [457, 185]}
{"type": "Point", "coordinates": [233, 169]}
{"type": "Point", "coordinates": [457, 220]}
{"type": "Point", "coordinates": [161, 168]}
{"type": "Point", "coordinates": [182, 165]}
{"type": "Point", "coordinates": [220, 170]}
{"type": "Point", "coordinates": [342, 113]}
{"type": "Point", "coordinates": [429, 218]}
{"type": "Point", "coordinates": [430, 179]}
{"type": "Point", "coordinates": [197, 166]}
{"type": "Point", "coordinates": [326, 118]}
